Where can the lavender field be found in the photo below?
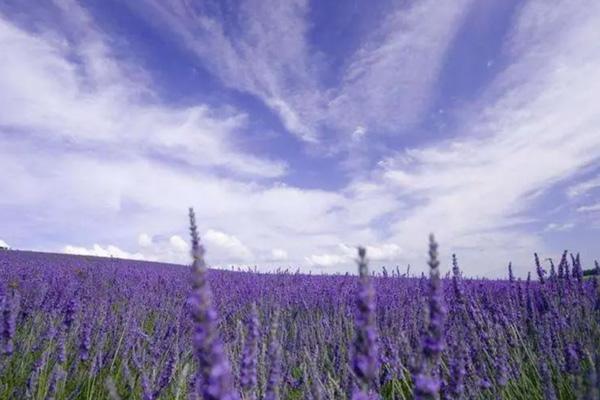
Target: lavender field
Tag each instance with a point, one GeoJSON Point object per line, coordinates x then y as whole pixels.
{"type": "Point", "coordinates": [78, 327]}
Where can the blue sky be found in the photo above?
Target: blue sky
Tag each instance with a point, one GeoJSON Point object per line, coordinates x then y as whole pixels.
{"type": "Point", "coordinates": [301, 129]}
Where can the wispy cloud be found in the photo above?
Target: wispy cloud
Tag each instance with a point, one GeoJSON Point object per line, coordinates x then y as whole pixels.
{"type": "Point", "coordinates": [387, 82]}
{"type": "Point", "coordinates": [556, 227]}
{"type": "Point", "coordinates": [77, 93]}
{"type": "Point", "coordinates": [264, 54]}
{"type": "Point", "coordinates": [589, 208]}
{"type": "Point", "coordinates": [535, 126]}
{"type": "Point", "coordinates": [99, 251]}
{"type": "Point", "coordinates": [583, 188]}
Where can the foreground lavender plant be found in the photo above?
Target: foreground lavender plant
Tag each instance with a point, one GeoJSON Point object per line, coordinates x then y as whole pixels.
{"type": "Point", "coordinates": [214, 373]}
{"type": "Point", "coordinates": [365, 362]}
{"type": "Point", "coordinates": [11, 309]}
{"type": "Point", "coordinates": [248, 367]}
{"type": "Point", "coordinates": [427, 382]}
{"type": "Point", "coordinates": [274, 356]}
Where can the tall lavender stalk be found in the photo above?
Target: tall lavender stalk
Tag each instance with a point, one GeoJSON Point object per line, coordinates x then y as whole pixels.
{"type": "Point", "coordinates": [248, 367]}
{"type": "Point", "coordinates": [538, 268]}
{"type": "Point", "coordinates": [552, 269]}
{"type": "Point", "coordinates": [214, 372]}
{"type": "Point", "coordinates": [274, 356]}
{"type": "Point", "coordinates": [456, 281]}
{"type": "Point", "coordinates": [9, 314]}
{"type": "Point", "coordinates": [511, 276]}
{"type": "Point", "coordinates": [427, 381]}
{"type": "Point", "coordinates": [69, 319]}
{"type": "Point", "coordinates": [365, 362]}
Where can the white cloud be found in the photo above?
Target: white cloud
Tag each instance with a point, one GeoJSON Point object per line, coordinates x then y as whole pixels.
{"type": "Point", "coordinates": [279, 255]}
{"type": "Point", "coordinates": [259, 217]}
{"type": "Point", "coordinates": [268, 56]}
{"type": "Point", "coordinates": [344, 256]}
{"type": "Point", "coordinates": [4, 244]}
{"type": "Point", "coordinates": [144, 240]}
{"type": "Point", "coordinates": [178, 243]}
{"type": "Point", "coordinates": [556, 227]}
{"type": "Point", "coordinates": [379, 252]}
{"type": "Point", "coordinates": [359, 133]}
{"type": "Point", "coordinates": [386, 83]}
{"type": "Point", "coordinates": [583, 188]}
{"type": "Point", "coordinates": [589, 208]}
{"type": "Point", "coordinates": [226, 247]}
{"type": "Point", "coordinates": [72, 90]}
{"type": "Point", "coordinates": [100, 251]}
{"type": "Point", "coordinates": [327, 260]}
{"type": "Point", "coordinates": [536, 125]}
{"type": "Point", "coordinates": [385, 252]}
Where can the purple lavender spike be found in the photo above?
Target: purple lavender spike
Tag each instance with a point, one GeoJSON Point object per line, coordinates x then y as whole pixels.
{"type": "Point", "coordinates": [552, 269]}
{"type": "Point", "coordinates": [577, 269]}
{"type": "Point", "coordinates": [365, 362]}
{"type": "Point", "coordinates": [457, 375]}
{"type": "Point", "coordinates": [146, 388]}
{"type": "Point", "coordinates": [214, 371]}
{"type": "Point", "coordinates": [547, 384]}
{"type": "Point", "coordinates": [538, 267]}
{"type": "Point", "coordinates": [34, 375]}
{"type": "Point", "coordinates": [456, 281]}
{"type": "Point", "coordinates": [86, 342]}
{"type": "Point", "coordinates": [511, 276]}
{"type": "Point", "coordinates": [58, 375]}
{"type": "Point", "coordinates": [10, 312]}
{"type": "Point", "coordinates": [167, 375]}
{"type": "Point", "coordinates": [571, 360]}
{"type": "Point", "coordinates": [562, 265]}
{"type": "Point", "coordinates": [427, 382]}
{"type": "Point", "coordinates": [248, 367]}
{"type": "Point", "coordinates": [274, 356]}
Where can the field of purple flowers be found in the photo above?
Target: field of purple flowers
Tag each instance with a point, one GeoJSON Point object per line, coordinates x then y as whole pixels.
{"type": "Point", "coordinates": [92, 328]}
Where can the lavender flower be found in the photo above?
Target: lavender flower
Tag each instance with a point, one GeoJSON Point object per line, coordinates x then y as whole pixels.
{"type": "Point", "coordinates": [571, 360]}
{"type": "Point", "coordinates": [365, 362]}
{"type": "Point", "coordinates": [146, 388]}
{"type": "Point", "coordinates": [426, 382]}
{"type": "Point", "coordinates": [456, 385]}
{"type": "Point", "coordinates": [577, 269]}
{"type": "Point", "coordinates": [248, 367]}
{"type": "Point", "coordinates": [167, 375]}
{"type": "Point", "coordinates": [552, 269]}
{"type": "Point", "coordinates": [538, 267]}
{"type": "Point", "coordinates": [68, 320]}
{"type": "Point", "coordinates": [274, 356]}
{"type": "Point", "coordinates": [547, 384]}
{"type": "Point", "coordinates": [214, 371]}
{"type": "Point", "coordinates": [456, 281]}
{"type": "Point", "coordinates": [562, 265]}
{"type": "Point", "coordinates": [34, 375]}
{"type": "Point", "coordinates": [86, 342]}
{"type": "Point", "coordinates": [58, 375]}
{"type": "Point", "coordinates": [9, 313]}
